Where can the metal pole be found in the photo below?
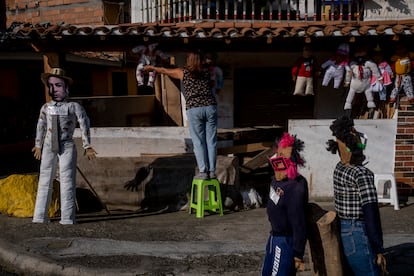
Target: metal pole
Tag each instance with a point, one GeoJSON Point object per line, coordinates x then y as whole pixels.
{"type": "Point", "coordinates": [93, 190]}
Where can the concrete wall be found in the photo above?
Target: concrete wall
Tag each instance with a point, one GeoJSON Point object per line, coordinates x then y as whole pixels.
{"type": "Point", "coordinates": [320, 163]}
{"type": "Point", "coordinates": [135, 141]}
{"type": "Point", "coordinates": [122, 152]}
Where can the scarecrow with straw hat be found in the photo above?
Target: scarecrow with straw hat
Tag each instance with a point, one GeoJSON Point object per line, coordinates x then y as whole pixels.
{"type": "Point", "coordinates": [54, 144]}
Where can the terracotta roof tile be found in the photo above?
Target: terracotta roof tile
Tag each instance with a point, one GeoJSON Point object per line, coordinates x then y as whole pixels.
{"type": "Point", "coordinates": [214, 29]}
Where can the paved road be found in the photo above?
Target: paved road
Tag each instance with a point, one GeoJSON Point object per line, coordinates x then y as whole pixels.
{"type": "Point", "coordinates": [168, 243]}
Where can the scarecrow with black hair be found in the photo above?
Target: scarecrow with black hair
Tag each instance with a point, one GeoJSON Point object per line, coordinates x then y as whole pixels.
{"type": "Point", "coordinates": [356, 201]}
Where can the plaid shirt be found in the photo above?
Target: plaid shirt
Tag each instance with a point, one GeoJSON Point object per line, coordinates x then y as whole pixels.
{"type": "Point", "coordinates": [353, 188]}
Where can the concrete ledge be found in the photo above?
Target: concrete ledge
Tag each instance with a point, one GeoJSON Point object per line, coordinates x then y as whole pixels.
{"type": "Point", "coordinates": [133, 141]}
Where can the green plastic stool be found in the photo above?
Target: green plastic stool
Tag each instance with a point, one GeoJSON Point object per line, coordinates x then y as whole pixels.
{"type": "Point", "coordinates": [197, 200]}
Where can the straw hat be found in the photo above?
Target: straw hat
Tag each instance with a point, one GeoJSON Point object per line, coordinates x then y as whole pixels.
{"type": "Point", "coordinates": [56, 72]}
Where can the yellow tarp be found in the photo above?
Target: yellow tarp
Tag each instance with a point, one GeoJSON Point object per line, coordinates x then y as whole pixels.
{"type": "Point", "coordinates": [18, 195]}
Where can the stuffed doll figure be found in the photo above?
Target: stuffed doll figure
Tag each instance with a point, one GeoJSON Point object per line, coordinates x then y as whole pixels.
{"type": "Point", "coordinates": [148, 56]}
{"type": "Point", "coordinates": [336, 66]}
{"type": "Point", "coordinates": [402, 63]}
{"type": "Point", "coordinates": [303, 73]}
{"type": "Point", "coordinates": [386, 72]}
{"type": "Point", "coordinates": [359, 79]}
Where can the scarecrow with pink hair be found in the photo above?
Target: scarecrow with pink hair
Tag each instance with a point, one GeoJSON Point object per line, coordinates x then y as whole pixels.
{"type": "Point", "coordinates": [288, 198]}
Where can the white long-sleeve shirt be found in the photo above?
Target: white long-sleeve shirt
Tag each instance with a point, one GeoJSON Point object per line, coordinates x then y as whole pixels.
{"type": "Point", "coordinates": [70, 113]}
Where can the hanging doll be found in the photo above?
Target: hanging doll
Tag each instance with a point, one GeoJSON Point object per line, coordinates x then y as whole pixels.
{"type": "Point", "coordinates": [148, 56]}
{"type": "Point", "coordinates": [379, 88]}
{"type": "Point", "coordinates": [336, 66]}
{"type": "Point", "coordinates": [402, 62]}
{"type": "Point", "coordinates": [359, 80]}
{"type": "Point", "coordinates": [303, 73]}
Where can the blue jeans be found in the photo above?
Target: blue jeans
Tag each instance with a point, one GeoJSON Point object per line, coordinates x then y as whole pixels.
{"type": "Point", "coordinates": [357, 249]}
{"type": "Point", "coordinates": [202, 123]}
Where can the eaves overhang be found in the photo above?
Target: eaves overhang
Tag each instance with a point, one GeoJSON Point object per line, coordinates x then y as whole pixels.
{"type": "Point", "coordinates": [123, 37]}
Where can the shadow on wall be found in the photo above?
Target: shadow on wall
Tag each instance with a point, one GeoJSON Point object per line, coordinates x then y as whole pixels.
{"type": "Point", "coordinates": [149, 182]}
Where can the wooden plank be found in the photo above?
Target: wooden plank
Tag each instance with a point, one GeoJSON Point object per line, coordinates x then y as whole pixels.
{"type": "Point", "coordinates": [247, 148]}
{"type": "Point", "coordinates": [171, 102]}
{"type": "Point", "coordinates": [257, 161]}
{"type": "Point", "coordinates": [250, 134]}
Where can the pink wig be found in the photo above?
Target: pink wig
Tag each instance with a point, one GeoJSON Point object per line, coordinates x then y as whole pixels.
{"type": "Point", "coordinates": [295, 159]}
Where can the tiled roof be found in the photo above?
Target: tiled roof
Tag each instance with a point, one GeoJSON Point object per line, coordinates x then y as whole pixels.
{"type": "Point", "coordinates": [223, 29]}
{"type": "Point", "coordinates": [211, 30]}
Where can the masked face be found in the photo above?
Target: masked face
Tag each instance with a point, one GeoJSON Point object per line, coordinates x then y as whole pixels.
{"type": "Point", "coordinates": [281, 163]}
{"type": "Point", "coordinates": [57, 89]}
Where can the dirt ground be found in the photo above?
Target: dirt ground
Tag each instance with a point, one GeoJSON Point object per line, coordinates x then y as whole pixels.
{"type": "Point", "coordinates": [246, 231]}
{"type": "Point", "coordinates": [243, 228]}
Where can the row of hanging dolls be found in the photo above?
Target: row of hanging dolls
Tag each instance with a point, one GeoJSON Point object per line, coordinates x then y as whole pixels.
{"type": "Point", "coordinates": [361, 74]}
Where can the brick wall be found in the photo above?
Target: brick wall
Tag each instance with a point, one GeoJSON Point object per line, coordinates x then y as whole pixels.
{"type": "Point", "coordinates": [77, 12]}
{"type": "Point", "coordinates": [404, 146]}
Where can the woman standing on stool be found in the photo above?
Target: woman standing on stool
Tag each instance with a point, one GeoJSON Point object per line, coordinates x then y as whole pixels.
{"type": "Point", "coordinates": [201, 106]}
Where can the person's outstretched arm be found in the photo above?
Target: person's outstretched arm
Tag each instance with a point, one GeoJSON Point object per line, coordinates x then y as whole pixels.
{"type": "Point", "coordinates": [176, 73]}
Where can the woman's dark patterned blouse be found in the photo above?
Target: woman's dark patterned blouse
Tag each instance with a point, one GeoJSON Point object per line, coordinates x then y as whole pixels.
{"type": "Point", "coordinates": [197, 91]}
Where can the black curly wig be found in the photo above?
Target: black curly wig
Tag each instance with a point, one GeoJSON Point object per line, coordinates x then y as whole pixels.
{"type": "Point", "coordinates": [343, 129]}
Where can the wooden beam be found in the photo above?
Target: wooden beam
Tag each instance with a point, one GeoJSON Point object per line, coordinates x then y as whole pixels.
{"type": "Point", "coordinates": [171, 101]}
{"type": "Point", "coordinates": [250, 134]}
{"type": "Point", "coordinates": [256, 162]}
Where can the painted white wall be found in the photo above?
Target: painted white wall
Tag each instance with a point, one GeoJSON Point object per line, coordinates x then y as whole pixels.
{"type": "Point", "coordinates": [135, 15]}
{"type": "Point", "coordinates": [320, 163]}
{"type": "Point", "coordinates": [374, 9]}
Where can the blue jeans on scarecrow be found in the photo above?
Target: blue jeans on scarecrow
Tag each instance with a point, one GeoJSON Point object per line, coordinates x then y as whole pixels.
{"type": "Point", "coordinates": [357, 249]}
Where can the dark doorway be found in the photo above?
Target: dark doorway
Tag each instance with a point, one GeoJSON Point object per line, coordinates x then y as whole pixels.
{"type": "Point", "coordinates": [119, 83]}
{"type": "Point", "coordinates": [264, 97]}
